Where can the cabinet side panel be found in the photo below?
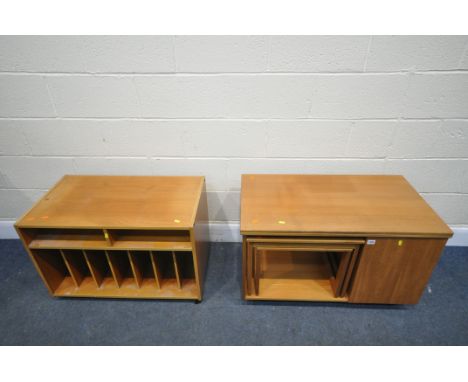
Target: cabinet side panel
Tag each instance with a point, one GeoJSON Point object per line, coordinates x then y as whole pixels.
{"type": "Point", "coordinates": [25, 239]}
{"type": "Point", "coordinates": [395, 271]}
{"type": "Point", "coordinates": [200, 239]}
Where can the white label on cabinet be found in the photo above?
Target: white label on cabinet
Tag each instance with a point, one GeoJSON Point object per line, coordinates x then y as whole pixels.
{"type": "Point", "coordinates": [370, 242]}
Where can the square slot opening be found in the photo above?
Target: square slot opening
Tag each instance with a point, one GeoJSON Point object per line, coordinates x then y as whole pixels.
{"type": "Point", "coordinates": [121, 271]}
{"type": "Point", "coordinates": [99, 268]}
{"type": "Point", "coordinates": [186, 267]}
{"type": "Point", "coordinates": [321, 274]}
{"type": "Point", "coordinates": [78, 268]}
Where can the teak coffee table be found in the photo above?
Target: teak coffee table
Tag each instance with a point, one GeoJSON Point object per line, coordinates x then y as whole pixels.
{"type": "Point", "coordinates": [357, 239]}
{"type": "Point", "coordinates": [120, 236]}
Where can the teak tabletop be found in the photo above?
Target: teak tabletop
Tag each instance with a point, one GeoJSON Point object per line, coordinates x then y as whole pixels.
{"type": "Point", "coordinates": [380, 205]}
{"type": "Point", "coordinates": [157, 202]}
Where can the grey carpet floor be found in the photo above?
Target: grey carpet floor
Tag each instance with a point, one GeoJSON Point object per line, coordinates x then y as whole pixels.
{"type": "Point", "coordinates": [29, 316]}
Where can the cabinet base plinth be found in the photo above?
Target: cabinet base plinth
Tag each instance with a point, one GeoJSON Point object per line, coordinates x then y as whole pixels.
{"type": "Point", "coordinates": [295, 290]}
{"type": "Point", "coordinates": [128, 289]}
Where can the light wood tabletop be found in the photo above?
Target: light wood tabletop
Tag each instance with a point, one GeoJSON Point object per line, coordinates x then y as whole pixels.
{"type": "Point", "coordinates": [380, 205]}
{"type": "Point", "coordinates": [137, 202]}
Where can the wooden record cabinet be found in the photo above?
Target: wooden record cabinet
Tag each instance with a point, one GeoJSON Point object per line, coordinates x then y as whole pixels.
{"type": "Point", "coordinates": [120, 237]}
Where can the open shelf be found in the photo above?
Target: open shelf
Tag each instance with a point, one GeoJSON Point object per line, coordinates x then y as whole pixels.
{"type": "Point", "coordinates": [97, 273]}
{"type": "Point", "coordinates": [297, 276]}
{"type": "Point", "coordinates": [132, 235]}
{"type": "Point", "coordinates": [54, 238]}
{"type": "Point", "coordinates": [65, 238]}
{"type": "Point", "coordinates": [292, 290]}
{"type": "Point", "coordinates": [299, 271]}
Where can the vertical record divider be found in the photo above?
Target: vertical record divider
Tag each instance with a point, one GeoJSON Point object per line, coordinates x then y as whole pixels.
{"type": "Point", "coordinates": [116, 270]}
{"type": "Point", "coordinates": [156, 270]}
{"type": "Point", "coordinates": [75, 266]}
{"type": "Point", "coordinates": [136, 268]}
{"type": "Point", "coordinates": [176, 270]}
{"type": "Point", "coordinates": [97, 265]}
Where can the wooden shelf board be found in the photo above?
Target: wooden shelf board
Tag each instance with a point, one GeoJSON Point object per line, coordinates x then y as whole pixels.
{"type": "Point", "coordinates": [67, 244]}
{"type": "Point", "coordinates": [128, 289]}
{"type": "Point", "coordinates": [153, 235]}
{"type": "Point", "coordinates": [104, 245]}
{"type": "Point", "coordinates": [155, 245]}
{"type": "Point", "coordinates": [296, 290]}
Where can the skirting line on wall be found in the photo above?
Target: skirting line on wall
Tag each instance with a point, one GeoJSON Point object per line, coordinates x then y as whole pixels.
{"type": "Point", "coordinates": [229, 232]}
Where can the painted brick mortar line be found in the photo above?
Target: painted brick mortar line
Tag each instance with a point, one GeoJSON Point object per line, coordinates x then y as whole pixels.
{"type": "Point", "coordinates": [198, 74]}
{"type": "Point", "coordinates": [343, 158]}
{"type": "Point", "coordinates": [395, 119]}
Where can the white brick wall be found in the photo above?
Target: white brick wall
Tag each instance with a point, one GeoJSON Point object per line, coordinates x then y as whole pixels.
{"type": "Point", "coordinates": [221, 106]}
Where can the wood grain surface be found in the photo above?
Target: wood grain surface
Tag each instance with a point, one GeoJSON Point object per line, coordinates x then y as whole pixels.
{"type": "Point", "coordinates": [153, 202]}
{"type": "Point", "coordinates": [359, 205]}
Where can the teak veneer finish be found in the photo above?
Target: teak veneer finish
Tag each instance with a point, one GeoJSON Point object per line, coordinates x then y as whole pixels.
{"type": "Point", "coordinates": [345, 238]}
{"type": "Point", "coordinates": [120, 236]}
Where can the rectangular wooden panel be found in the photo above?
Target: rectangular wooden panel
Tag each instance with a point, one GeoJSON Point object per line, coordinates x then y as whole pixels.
{"type": "Point", "coordinates": [296, 290]}
{"type": "Point", "coordinates": [120, 202]}
{"type": "Point", "coordinates": [384, 205]}
{"type": "Point", "coordinates": [395, 271]}
{"type": "Point", "coordinates": [127, 290]}
{"type": "Point", "coordinates": [249, 265]}
{"type": "Point", "coordinates": [103, 245]}
{"type": "Point", "coordinates": [304, 240]}
{"type": "Point", "coordinates": [245, 290]}
{"type": "Point", "coordinates": [200, 238]}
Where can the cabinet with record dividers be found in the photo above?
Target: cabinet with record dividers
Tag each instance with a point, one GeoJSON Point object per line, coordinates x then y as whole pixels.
{"type": "Point", "coordinates": [160, 262]}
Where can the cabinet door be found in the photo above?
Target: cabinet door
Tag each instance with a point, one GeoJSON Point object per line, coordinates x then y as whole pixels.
{"type": "Point", "coordinates": [395, 271]}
